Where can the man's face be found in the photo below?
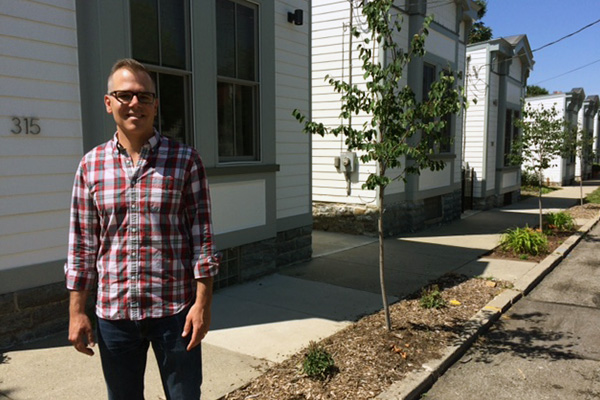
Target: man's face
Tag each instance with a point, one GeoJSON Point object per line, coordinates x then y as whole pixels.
{"type": "Point", "coordinates": [133, 118]}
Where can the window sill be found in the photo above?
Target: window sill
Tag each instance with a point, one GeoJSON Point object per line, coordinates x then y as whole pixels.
{"type": "Point", "coordinates": [443, 156]}
{"type": "Point", "coordinates": [237, 169]}
{"type": "Point", "coordinates": [509, 168]}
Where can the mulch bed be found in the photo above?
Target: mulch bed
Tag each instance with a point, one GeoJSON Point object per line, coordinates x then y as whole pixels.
{"type": "Point", "coordinates": [368, 357]}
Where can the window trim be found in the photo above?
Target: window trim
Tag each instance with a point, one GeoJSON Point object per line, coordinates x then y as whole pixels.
{"type": "Point", "coordinates": [257, 157]}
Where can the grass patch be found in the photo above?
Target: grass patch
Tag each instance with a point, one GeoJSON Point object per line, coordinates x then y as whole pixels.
{"type": "Point", "coordinates": [593, 197]}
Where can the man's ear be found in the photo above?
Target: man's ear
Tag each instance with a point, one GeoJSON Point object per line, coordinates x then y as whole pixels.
{"type": "Point", "coordinates": [108, 104]}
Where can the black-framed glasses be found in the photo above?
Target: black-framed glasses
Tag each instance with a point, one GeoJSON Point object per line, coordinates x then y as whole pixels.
{"type": "Point", "coordinates": [125, 96]}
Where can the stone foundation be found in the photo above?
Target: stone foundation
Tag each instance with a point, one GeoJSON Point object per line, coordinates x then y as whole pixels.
{"type": "Point", "coordinates": [402, 217]}
{"type": "Point", "coordinates": [33, 314]}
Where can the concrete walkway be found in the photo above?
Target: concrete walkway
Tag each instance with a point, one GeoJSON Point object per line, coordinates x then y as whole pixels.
{"type": "Point", "coordinates": [265, 321]}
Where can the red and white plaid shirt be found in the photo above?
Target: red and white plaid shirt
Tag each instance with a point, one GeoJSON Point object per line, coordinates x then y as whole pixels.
{"type": "Point", "coordinates": [142, 232]}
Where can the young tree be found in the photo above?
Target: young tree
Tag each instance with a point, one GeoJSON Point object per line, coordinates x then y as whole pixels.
{"type": "Point", "coordinates": [581, 143]}
{"type": "Point", "coordinates": [402, 130]}
{"type": "Point", "coordinates": [543, 138]}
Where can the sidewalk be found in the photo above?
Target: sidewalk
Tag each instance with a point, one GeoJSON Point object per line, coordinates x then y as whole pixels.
{"type": "Point", "coordinates": [266, 321]}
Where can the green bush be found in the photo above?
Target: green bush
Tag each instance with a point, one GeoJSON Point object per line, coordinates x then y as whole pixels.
{"type": "Point", "coordinates": [560, 221]}
{"type": "Point", "coordinates": [524, 241]}
{"type": "Point", "coordinates": [431, 297]}
{"type": "Point", "coordinates": [529, 179]}
{"type": "Point", "coordinates": [318, 363]}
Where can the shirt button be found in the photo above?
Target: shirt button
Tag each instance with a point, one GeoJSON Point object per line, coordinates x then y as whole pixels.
{"type": "Point", "coordinates": [133, 206]}
{"type": "Point", "coordinates": [133, 230]}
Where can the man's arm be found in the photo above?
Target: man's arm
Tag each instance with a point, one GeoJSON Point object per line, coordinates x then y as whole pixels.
{"type": "Point", "coordinates": [81, 334]}
{"type": "Point", "coordinates": [197, 321]}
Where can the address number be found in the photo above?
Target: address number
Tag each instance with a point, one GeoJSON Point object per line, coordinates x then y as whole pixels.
{"type": "Point", "coordinates": [26, 125]}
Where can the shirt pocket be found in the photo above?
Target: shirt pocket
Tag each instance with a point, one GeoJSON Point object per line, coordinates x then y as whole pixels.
{"type": "Point", "coordinates": [164, 194]}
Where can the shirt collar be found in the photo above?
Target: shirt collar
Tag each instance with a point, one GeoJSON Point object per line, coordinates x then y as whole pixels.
{"type": "Point", "coordinates": [153, 143]}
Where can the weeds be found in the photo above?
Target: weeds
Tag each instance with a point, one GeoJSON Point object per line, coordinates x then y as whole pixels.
{"type": "Point", "coordinates": [318, 363]}
{"type": "Point", "coordinates": [560, 221]}
{"type": "Point", "coordinates": [431, 297]}
{"type": "Point", "coordinates": [524, 241]}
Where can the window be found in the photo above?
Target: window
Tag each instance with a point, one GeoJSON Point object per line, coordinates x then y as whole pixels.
{"type": "Point", "coordinates": [160, 40]}
{"type": "Point", "coordinates": [238, 86]}
{"type": "Point", "coordinates": [445, 134]}
{"type": "Point", "coordinates": [511, 133]}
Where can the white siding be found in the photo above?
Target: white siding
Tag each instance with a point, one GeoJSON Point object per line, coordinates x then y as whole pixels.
{"type": "Point", "coordinates": [39, 79]}
{"type": "Point", "coordinates": [475, 123]}
{"type": "Point", "coordinates": [292, 70]}
{"type": "Point", "coordinates": [558, 170]}
{"type": "Point", "coordinates": [330, 56]}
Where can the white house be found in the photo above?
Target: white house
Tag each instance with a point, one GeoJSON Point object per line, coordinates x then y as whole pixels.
{"type": "Point", "coordinates": [496, 81]}
{"type": "Point", "coordinates": [562, 171]}
{"type": "Point", "coordinates": [228, 72]}
{"type": "Point", "coordinates": [339, 202]}
{"type": "Point", "coordinates": [585, 124]}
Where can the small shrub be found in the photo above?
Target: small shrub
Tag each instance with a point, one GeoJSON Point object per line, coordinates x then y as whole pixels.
{"type": "Point", "coordinates": [529, 179]}
{"type": "Point", "coordinates": [524, 241]}
{"type": "Point", "coordinates": [318, 363]}
{"type": "Point", "coordinates": [431, 297]}
{"type": "Point", "coordinates": [560, 221]}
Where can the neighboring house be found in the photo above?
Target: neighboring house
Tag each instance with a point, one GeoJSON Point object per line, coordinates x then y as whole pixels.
{"type": "Point", "coordinates": [497, 72]}
{"type": "Point", "coordinates": [585, 124]}
{"type": "Point", "coordinates": [229, 73]}
{"type": "Point", "coordinates": [339, 201]}
{"type": "Point", "coordinates": [562, 170]}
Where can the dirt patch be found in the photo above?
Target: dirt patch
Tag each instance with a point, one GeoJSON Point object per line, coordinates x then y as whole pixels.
{"type": "Point", "coordinates": [369, 358]}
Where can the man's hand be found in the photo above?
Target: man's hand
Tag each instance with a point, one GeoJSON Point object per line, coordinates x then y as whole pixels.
{"type": "Point", "coordinates": [197, 322]}
{"type": "Point", "coordinates": [81, 334]}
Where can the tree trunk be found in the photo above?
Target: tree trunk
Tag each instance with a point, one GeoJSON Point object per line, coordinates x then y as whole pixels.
{"type": "Point", "coordinates": [386, 308]}
{"type": "Point", "coordinates": [581, 188]}
{"type": "Point", "coordinates": [540, 202]}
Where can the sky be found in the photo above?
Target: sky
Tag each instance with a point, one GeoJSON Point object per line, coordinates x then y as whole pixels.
{"type": "Point", "coordinates": [544, 21]}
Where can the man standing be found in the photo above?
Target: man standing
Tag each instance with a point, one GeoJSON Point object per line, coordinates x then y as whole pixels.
{"type": "Point", "coordinates": [141, 236]}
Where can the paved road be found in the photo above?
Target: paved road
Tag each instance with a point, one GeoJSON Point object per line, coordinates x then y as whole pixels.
{"type": "Point", "coordinates": [546, 347]}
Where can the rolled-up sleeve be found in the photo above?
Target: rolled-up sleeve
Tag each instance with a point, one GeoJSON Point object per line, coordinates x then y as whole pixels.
{"type": "Point", "coordinates": [84, 230]}
{"type": "Point", "coordinates": [205, 259]}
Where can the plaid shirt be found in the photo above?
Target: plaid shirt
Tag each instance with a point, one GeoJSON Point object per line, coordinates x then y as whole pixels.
{"type": "Point", "coordinates": [141, 233]}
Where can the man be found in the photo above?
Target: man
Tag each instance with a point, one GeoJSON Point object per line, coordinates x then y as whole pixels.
{"type": "Point", "coordinates": [141, 236]}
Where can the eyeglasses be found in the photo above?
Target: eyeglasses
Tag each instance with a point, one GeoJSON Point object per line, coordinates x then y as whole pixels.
{"type": "Point", "coordinates": [126, 96]}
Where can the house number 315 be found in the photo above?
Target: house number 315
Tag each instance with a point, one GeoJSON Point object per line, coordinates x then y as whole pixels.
{"type": "Point", "coordinates": [26, 125]}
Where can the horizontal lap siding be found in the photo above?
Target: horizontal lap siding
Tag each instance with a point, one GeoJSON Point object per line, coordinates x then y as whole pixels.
{"type": "Point", "coordinates": [292, 70]}
{"type": "Point", "coordinates": [477, 89]}
{"type": "Point", "coordinates": [39, 79]}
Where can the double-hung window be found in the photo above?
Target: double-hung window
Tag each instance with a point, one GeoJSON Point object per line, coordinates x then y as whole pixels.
{"type": "Point", "coordinates": [238, 85]}
{"type": "Point", "coordinates": [160, 39]}
{"type": "Point", "coordinates": [445, 134]}
{"type": "Point", "coordinates": [511, 134]}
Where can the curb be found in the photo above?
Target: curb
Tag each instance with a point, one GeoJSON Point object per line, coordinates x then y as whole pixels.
{"type": "Point", "coordinates": [416, 383]}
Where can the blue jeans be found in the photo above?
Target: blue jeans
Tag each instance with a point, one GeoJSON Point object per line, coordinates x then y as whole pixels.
{"type": "Point", "coordinates": [123, 350]}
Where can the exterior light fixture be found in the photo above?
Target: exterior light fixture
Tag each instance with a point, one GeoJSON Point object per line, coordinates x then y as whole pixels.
{"type": "Point", "coordinates": [296, 17]}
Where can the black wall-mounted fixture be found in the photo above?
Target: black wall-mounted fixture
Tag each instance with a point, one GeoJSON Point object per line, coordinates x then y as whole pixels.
{"type": "Point", "coordinates": [297, 17]}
